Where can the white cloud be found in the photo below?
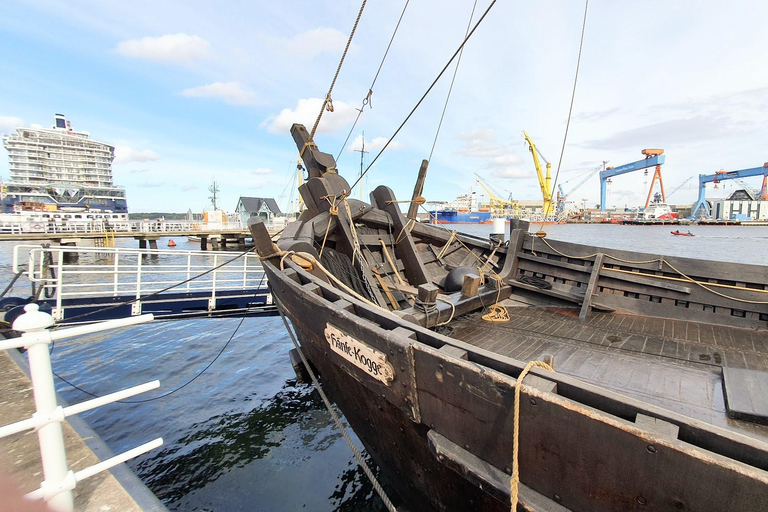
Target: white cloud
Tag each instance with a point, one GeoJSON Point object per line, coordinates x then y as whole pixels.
{"type": "Point", "coordinates": [176, 47]}
{"type": "Point", "coordinates": [8, 124]}
{"type": "Point", "coordinates": [124, 154]}
{"type": "Point", "coordinates": [376, 144]}
{"type": "Point", "coordinates": [509, 174]}
{"type": "Point", "coordinates": [230, 92]}
{"type": "Point", "coordinates": [317, 41]}
{"type": "Point", "coordinates": [306, 113]}
{"type": "Point", "coordinates": [480, 144]}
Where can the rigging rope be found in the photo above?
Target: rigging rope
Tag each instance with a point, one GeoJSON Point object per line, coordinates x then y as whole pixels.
{"type": "Point", "coordinates": [429, 89]}
{"type": "Point", "coordinates": [358, 456]}
{"type": "Point", "coordinates": [515, 480]}
{"type": "Point", "coordinates": [327, 101]}
{"type": "Point", "coordinates": [190, 381]}
{"type": "Point", "coordinates": [453, 79]}
{"type": "Point", "coordinates": [663, 261]}
{"type": "Point", "coordinates": [367, 99]}
{"type": "Point", "coordinates": [573, 97]}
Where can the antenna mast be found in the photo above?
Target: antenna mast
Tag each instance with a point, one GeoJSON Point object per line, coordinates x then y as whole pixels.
{"type": "Point", "coordinates": [214, 189]}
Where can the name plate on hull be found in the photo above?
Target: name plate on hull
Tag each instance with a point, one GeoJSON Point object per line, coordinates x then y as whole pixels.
{"type": "Point", "coordinates": [368, 359]}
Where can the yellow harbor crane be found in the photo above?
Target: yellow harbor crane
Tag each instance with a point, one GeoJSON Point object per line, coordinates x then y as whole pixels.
{"type": "Point", "coordinates": [545, 181]}
{"type": "Point", "coordinates": [496, 204]}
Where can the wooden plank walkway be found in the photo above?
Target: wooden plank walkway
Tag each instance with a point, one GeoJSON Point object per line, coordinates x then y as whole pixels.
{"type": "Point", "coordinates": [669, 363]}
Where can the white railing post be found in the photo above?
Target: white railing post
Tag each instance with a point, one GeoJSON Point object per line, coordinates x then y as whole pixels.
{"type": "Point", "coordinates": [59, 284]}
{"type": "Point", "coordinates": [50, 436]}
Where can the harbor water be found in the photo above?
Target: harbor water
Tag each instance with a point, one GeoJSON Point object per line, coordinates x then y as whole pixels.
{"type": "Point", "coordinates": [240, 432]}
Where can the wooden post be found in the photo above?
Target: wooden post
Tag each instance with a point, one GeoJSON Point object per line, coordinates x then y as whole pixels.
{"type": "Point", "coordinates": [516, 239]}
{"type": "Point", "coordinates": [203, 242]}
{"type": "Point", "coordinates": [142, 243]}
{"type": "Point", "coordinates": [585, 306]}
{"type": "Point", "coordinates": [406, 250]}
{"type": "Point", "coordinates": [265, 247]}
{"type": "Point", "coordinates": [428, 293]}
{"type": "Point", "coordinates": [413, 209]}
{"type": "Point", "coordinates": [470, 286]}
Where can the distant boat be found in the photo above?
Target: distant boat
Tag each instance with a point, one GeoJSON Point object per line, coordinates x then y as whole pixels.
{"type": "Point", "coordinates": [680, 233]}
{"type": "Point", "coordinates": [171, 243]}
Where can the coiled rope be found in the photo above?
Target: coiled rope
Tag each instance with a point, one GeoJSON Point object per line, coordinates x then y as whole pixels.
{"type": "Point", "coordinates": [358, 456]}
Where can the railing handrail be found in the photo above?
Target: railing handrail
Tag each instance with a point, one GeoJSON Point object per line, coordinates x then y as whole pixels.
{"type": "Point", "coordinates": [135, 273]}
{"type": "Point", "coordinates": [59, 480]}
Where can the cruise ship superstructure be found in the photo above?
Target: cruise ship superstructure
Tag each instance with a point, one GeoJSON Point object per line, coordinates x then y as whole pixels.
{"type": "Point", "coordinates": [59, 169]}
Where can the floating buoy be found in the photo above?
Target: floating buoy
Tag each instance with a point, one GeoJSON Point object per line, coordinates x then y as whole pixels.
{"type": "Point", "coordinates": [171, 243]}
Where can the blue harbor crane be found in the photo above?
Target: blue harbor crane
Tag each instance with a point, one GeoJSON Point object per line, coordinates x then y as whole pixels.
{"type": "Point", "coordinates": [562, 195]}
{"type": "Point", "coordinates": [653, 157]}
{"type": "Point", "coordinates": [701, 208]}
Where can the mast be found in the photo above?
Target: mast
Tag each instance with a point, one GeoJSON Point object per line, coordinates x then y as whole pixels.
{"type": "Point", "coordinates": [362, 152]}
{"type": "Point", "coordinates": [214, 189]}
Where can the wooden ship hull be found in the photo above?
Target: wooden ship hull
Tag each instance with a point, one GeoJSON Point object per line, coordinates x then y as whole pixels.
{"type": "Point", "coordinates": [651, 404]}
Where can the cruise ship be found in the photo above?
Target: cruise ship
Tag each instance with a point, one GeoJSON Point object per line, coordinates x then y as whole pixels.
{"type": "Point", "coordinates": [61, 170]}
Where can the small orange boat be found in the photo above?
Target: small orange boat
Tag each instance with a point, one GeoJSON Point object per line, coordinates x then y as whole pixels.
{"type": "Point", "coordinates": [680, 233]}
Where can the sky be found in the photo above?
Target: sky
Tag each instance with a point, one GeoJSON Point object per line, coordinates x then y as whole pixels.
{"type": "Point", "coordinates": [194, 91]}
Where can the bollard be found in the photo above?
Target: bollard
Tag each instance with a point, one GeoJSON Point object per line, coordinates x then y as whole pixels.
{"type": "Point", "coordinates": [33, 324]}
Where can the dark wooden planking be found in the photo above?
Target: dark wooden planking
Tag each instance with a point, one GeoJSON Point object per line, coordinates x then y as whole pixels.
{"type": "Point", "coordinates": [725, 443]}
{"type": "Point", "coordinates": [646, 280]}
{"type": "Point", "coordinates": [494, 481]}
{"type": "Point", "coordinates": [558, 261]}
{"type": "Point", "coordinates": [736, 272]}
{"type": "Point", "coordinates": [570, 450]}
{"type": "Point", "coordinates": [746, 394]}
{"type": "Point", "coordinates": [648, 308]}
{"type": "Point", "coordinates": [418, 188]}
{"type": "Point", "coordinates": [587, 303]}
{"type": "Point", "coordinates": [516, 239]}
{"type": "Point", "coordinates": [558, 291]}
{"type": "Point", "coordinates": [405, 249]}
{"type": "Point", "coordinates": [317, 162]}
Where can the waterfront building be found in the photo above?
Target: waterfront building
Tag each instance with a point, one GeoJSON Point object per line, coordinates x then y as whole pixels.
{"type": "Point", "coordinates": [59, 169]}
{"type": "Point", "coordinates": [263, 207]}
{"type": "Point", "coordinates": [740, 205]}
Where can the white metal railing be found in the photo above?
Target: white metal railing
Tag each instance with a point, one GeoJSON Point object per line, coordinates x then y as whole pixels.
{"type": "Point", "coordinates": [59, 480]}
{"type": "Point", "coordinates": [72, 272]}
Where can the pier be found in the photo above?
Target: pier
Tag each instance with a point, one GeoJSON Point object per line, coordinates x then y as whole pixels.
{"type": "Point", "coordinates": [118, 489]}
{"type": "Point", "coordinates": [146, 239]}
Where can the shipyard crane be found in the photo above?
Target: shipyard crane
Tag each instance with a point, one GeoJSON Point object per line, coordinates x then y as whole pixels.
{"type": "Point", "coordinates": [653, 157]}
{"type": "Point", "coordinates": [545, 180]}
{"type": "Point", "coordinates": [562, 196]}
{"type": "Point", "coordinates": [497, 204]}
{"type": "Point", "coordinates": [701, 208]}
{"type": "Point", "coordinates": [679, 186]}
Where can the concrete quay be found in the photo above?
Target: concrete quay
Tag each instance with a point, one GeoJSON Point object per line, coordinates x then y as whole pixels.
{"type": "Point", "coordinates": [116, 489]}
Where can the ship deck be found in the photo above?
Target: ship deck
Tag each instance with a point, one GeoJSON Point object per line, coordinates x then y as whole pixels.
{"type": "Point", "coordinates": [673, 364]}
